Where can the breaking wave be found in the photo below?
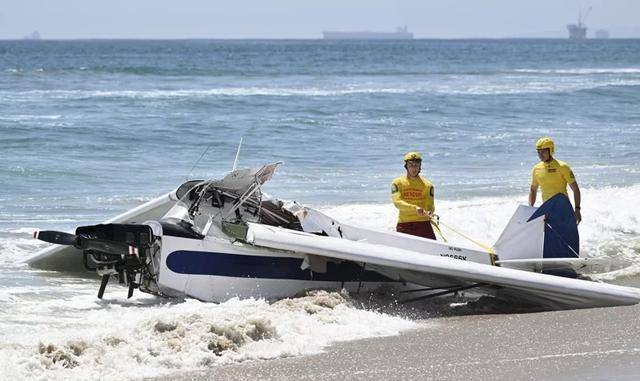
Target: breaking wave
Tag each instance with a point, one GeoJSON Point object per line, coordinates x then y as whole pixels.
{"type": "Point", "coordinates": [629, 70]}
{"type": "Point", "coordinates": [22, 118]}
{"type": "Point", "coordinates": [466, 86]}
{"type": "Point", "coordinates": [143, 338]}
{"type": "Point", "coordinates": [358, 71]}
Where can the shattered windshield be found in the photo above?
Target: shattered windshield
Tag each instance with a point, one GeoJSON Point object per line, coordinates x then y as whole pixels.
{"type": "Point", "coordinates": [237, 197]}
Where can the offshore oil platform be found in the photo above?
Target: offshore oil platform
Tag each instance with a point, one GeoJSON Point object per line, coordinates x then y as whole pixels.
{"type": "Point", "coordinates": [578, 31]}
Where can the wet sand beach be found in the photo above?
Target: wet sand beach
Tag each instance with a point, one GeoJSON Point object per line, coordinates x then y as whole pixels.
{"type": "Point", "coordinates": [593, 344]}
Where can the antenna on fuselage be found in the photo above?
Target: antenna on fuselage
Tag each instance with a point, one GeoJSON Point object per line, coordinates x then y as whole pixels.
{"type": "Point", "coordinates": [235, 162]}
{"type": "Point", "coordinates": [196, 163]}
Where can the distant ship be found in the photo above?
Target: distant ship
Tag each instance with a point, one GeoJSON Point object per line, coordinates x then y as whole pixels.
{"type": "Point", "coordinates": [578, 31]}
{"type": "Point", "coordinates": [401, 33]}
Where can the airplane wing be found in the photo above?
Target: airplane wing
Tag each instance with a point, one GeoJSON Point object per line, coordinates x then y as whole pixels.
{"type": "Point", "coordinates": [548, 290]}
{"type": "Point", "coordinates": [580, 265]}
{"type": "Point", "coordinates": [68, 258]}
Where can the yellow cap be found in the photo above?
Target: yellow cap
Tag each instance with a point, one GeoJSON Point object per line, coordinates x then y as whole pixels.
{"type": "Point", "coordinates": [543, 143]}
{"type": "Point", "coordinates": [413, 156]}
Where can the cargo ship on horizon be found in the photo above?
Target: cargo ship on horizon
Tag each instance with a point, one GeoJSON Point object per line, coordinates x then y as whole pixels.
{"type": "Point", "coordinates": [401, 33]}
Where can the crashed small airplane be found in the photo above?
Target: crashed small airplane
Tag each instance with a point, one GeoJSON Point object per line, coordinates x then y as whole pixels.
{"type": "Point", "coordinates": [217, 239]}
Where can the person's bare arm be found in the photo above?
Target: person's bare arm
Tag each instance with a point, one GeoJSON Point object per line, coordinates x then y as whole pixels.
{"type": "Point", "coordinates": [576, 200]}
{"type": "Point", "coordinates": [533, 192]}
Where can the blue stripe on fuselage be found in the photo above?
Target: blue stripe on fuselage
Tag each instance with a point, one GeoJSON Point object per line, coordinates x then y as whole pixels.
{"type": "Point", "coordinates": [252, 266]}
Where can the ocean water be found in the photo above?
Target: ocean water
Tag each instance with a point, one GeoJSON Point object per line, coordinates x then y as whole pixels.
{"type": "Point", "coordinates": [89, 129]}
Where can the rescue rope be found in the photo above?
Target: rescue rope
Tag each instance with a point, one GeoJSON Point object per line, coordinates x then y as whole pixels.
{"type": "Point", "coordinates": [437, 228]}
{"type": "Point", "coordinates": [487, 248]}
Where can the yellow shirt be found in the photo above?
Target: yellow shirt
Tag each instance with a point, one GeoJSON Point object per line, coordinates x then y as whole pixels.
{"type": "Point", "coordinates": [552, 178]}
{"type": "Point", "coordinates": [410, 194]}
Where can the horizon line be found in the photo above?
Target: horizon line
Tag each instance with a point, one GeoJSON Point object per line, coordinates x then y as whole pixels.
{"type": "Point", "coordinates": [301, 38]}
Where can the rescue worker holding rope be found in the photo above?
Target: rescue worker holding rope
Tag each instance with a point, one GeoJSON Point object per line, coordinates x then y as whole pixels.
{"type": "Point", "coordinates": [413, 195]}
{"type": "Point", "coordinates": [552, 176]}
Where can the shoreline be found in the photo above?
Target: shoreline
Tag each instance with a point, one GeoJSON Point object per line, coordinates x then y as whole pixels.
{"type": "Point", "coordinates": [599, 343]}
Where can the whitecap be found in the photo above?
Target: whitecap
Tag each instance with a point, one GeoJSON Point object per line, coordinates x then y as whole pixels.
{"type": "Point", "coordinates": [629, 70]}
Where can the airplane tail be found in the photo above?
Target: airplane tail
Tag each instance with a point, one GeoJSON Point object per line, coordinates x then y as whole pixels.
{"type": "Point", "coordinates": [561, 238]}
{"type": "Point", "coordinates": [549, 231]}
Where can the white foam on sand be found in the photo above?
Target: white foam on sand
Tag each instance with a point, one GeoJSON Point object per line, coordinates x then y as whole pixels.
{"type": "Point", "coordinates": [82, 338]}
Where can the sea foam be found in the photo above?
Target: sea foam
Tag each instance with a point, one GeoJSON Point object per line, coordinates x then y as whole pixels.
{"type": "Point", "coordinates": [143, 338]}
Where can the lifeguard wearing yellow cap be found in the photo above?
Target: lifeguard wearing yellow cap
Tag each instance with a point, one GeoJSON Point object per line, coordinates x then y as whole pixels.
{"type": "Point", "coordinates": [544, 143]}
{"type": "Point", "coordinates": [413, 156]}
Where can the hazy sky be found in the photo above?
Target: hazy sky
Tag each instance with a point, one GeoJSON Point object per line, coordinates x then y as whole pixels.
{"type": "Point", "coordinates": [307, 19]}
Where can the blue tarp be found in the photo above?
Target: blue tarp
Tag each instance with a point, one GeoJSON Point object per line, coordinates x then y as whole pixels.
{"type": "Point", "coordinates": [561, 230]}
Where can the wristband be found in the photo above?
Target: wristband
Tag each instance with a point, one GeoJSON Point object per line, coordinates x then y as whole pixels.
{"type": "Point", "coordinates": [577, 208]}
